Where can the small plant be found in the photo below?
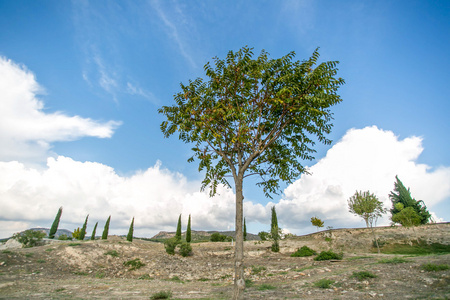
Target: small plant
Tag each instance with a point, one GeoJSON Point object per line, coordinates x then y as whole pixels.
{"type": "Point", "coordinates": [100, 275]}
{"type": "Point", "coordinates": [249, 282]}
{"type": "Point", "coordinates": [328, 255]}
{"type": "Point", "coordinates": [29, 238]}
{"type": "Point", "coordinates": [176, 279]}
{"type": "Point", "coordinates": [170, 245]}
{"type": "Point", "coordinates": [185, 249]}
{"type": "Point", "coordinates": [303, 251]}
{"type": "Point", "coordinates": [113, 253]}
{"type": "Point", "coordinates": [63, 237]}
{"type": "Point", "coordinates": [203, 279]}
{"type": "Point", "coordinates": [395, 260]}
{"type": "Point", "coordinates": [324, 283]}
{"type": "Point", "coordinates": [29, 254]}
{"type": "Point", "coordinates": [74, 244]}
{"type": "Point", "coordinates": [264, 287]}
{"type": "Point", "coordinates": [134, 264]}
{"type": "Point", "coordinates": [363, 275]}
{"type": "Point", "coordinates": [258, 269]}
{"type": "Point", "coordinates": [145, 277]}
{"type": "Point", "coordinates": [434, 268]}
{"type": "Point", "coordinates": [80, 273]}
{"type": "Point", "coordinates": [162, 295]}
{"type": "Point", "coordinates": [41, 261]}
{"type": "Point", "coordinates": [328, 239]}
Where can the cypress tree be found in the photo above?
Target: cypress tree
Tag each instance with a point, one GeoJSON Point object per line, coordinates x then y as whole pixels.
{"type": "Point", "coordinates": [178, 234]}
{"type": "Point", "coordinates": [130, 231]}
{"type": "Point", "coordinates": [83, 229]}
{"type": "Point", "coordinates": [93, 232]}
{"type": "Point", "coordinates": [55, 224]}
{"type": "Point", "coordinates": [274, 231]}
{"type": "Point", "coordinates": [188, 230]}
{"type": "Point", "coordinates": [105, 231]}
{"type": "Point", "coordinates": [245, 231]}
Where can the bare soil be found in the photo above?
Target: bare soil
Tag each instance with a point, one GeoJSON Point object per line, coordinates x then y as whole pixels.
{"type": "Point", "coordinates": [96, 270]}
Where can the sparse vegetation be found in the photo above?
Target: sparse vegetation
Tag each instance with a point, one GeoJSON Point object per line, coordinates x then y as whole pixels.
{"type": "Point", "coordinates": [258, 269]}
{"type": "Point", "coordinates": [73, 244]}
{"type": "Point", "coordinates": [324, 283]}
{"type": "Point", "coordinates": [328, 255]}
{"type": "Point", "coordinates": [416, 248]}
{"type": "Point", "coordinates": [134, 264]}
{"type": "Point", "coordinates": [363, 275]}
{"type": "Point", "coordinates": [303, 251]}
{"type": "Point", "coordinates": [29, 238]}
{"type": "Point", "coordinates": [434, 267]}
{"type": "Point", "coordinates": [264, 287]}
{"type": "Point", "coordinates": [162, 295]}
{"type": "Point", "coordinates": [112, 253]}
{"type": "Point", "coordinates": [395, 260]}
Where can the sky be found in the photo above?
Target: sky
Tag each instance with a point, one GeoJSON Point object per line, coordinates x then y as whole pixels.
{"type": "Point", "coordinates": [81, 83]}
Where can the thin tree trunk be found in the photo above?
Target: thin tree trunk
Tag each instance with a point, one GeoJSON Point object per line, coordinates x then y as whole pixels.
{"type": "Point", "coordinates": [239, 283]}
{"type": "Point", "coordinates": [375, 239]}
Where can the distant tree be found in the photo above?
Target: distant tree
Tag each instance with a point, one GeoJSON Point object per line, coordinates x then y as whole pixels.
{"type": "Point", "coordinates": [317, 222]}
{"type": "Point", "coordinates": [254, 116]}
{"type": "Point", "coordinates": [106, 229]}
{"type": "Point", "coordinates": [402, 195]}
{"type": "Point", "coordinates": [367, 206]}
{"type": "Point", "coordinates": [83, 229]}
{"type": "Point", "coordinates": [29, 238]}
{"type": "Point", "coordinates": [93, 231]}
{"type": "Point", "coordinates": [275, 231]}
{"type": "Point", "coordinates": [245, 231]}
{"type": "Point", "coordinates": [178, 233]}
{"type": "Point", "coordinates": [130, 231]}
{"type": "Point", "coordinates": [55, 224]}
{"type": "Point", "coordinates": [188, 230]}
{"type": "Point", "coordinates": [76, 233]}
{"type": "Point", "coordinates": [264, 236]}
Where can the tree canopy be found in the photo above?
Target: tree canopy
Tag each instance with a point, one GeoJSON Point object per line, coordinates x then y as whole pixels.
{"type": "Point", "coordinates": [367, 206]}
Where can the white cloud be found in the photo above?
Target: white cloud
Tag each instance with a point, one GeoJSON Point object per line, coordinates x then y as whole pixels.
{"type": "Point", "coordinates": [26, 130]}
{"type": "Point", "coordinates": [364, 159]}
{"type": "Point", "coordinates": [136, 90]}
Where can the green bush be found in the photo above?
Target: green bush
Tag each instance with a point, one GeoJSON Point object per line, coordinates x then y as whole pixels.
{"type": "Point", "coordinates": [162, 295]}
{"type": "Point", "coordinates": [170, 245]}
{"type": "Point", "coordinates": [324, 283]}
{"type": "Point", "coordinates": [363, 275]}
{"type": "Point", "coordinates": [328, 255]}
{"type": "Point", "coordinates": [134, 264]}
{"type": "Point", "coordinates": [29, 238]}
{"type": "Point", "coordinates": [63, 237]}
{"type": "Point", "coordinates": [304, 251]}
{"type": "Point", "coordinates": [185, 249]}
{"type": "Point", "coordinates": [433, 267]}
{"type": "Point", "coordinates": [263, 235]}
{"type": "Point", "coordinates": [217, 237]}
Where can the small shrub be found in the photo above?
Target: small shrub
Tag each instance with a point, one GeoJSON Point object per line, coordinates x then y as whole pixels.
{"type": "Point", "coordinates": [363, 275]}
{"type": "Point", "coordinates": [29, 254]}
{"type": "Point", "coordinates": [170, 245]}
{"type": "Point", "coordinates": [395, 260]}
{"type": "Point", "coordinates": [265, 286]}
{"type": "Point", "coordinates": [324, 283]}
{"type": "Point", "coordinates": [134, 264]}
{"type": "Point", "coordinates": [100, 275]}
{"type": "Point", "coordinates": [29, 238]}
{"type": "Point", "coordinates": [145, 277]}
{"type": "Point", "coordinates": [41, 261]}
{"type": "Point", "coordinates": [74, 244]}
{"type": "Point", "coordinates": [113, 253]}
{"type": "Point", "coordinates": [434, 268]}
{"type": "Point", "coordinates": [63, 237]}
{"type": "Point", "coordinates": [258, 269]}
{"type": "Point", "coordinates": [328, 239]}
{"type": "Point", "coordinates": [185, 249]}
{"type": "Point", "coordinates": [249, 282]}
{"type": "Point", "coordinates": [303, 251]}
{"type": "Point", "coordinates": [328, 255]}
{"type": "Point", "coordinates": [162, 295]}
{"type": "Point", "coordinates": [176, 279]}
{"type": "Point", "coordinates": [217, 237]}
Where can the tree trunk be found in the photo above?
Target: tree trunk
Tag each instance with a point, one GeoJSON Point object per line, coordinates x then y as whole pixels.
{"type": "Point", "coordinates": [239, 283]}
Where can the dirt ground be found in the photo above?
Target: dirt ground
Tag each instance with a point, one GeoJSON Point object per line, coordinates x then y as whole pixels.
{"type": "Point", "coordinates": [96, 270]}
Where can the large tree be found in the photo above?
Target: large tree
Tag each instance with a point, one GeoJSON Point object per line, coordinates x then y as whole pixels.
{"type": "Point", "coordinates": [402, 195]}
{"type": "Point", "coordinates": [254, 116]}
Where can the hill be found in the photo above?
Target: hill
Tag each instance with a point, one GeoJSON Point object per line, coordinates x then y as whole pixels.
{"type": "Point", "coordinates": [198, 236]}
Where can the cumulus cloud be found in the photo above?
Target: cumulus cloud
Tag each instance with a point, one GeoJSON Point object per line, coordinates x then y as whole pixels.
{"type": "Point", "coordinates": [364, 159]}
{"type": "Point", "coordinates": [26, 130]}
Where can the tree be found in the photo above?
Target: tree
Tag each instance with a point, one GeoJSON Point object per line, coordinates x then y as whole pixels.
{"type": "Point", "coordinates": [402, 195]}
{"type": "Point", "coordinates": [188, 230]}
{"type": "Point", "coordinates": [55, 224]}
{"type": "Point", "coordinates": [106, 229]}
{"type": "Point", "coordinates": [83, 229]}
{"type": "Point", "coordinates": [406, 216]}
{"type": "Point", "coordinates": [130, 231]}
{"type": "Point", "coordinates": [275, 231]}
{"type": "Point", "coordinates": [93, 232]}
{"type": "Point", "coordinates": [317, 222]}
{"type": "Point", "coordinates": [76, 233]}
{"type": "Point", "coordinates": [29, 238]}
{"type": "Point", "coordinates": [245, 231]}
{"type": "Point", "coordinates": [254, 117]}
{"type": "Point", "coordinates": [368, 207]}
{"type": "Point", "coordinates": [178, 233]}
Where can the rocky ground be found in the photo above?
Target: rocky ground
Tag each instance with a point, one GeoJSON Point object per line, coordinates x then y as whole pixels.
{"type": "Point", "coordinates": [96, 270]}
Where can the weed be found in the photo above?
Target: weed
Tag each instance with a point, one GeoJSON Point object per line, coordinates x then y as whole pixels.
{"type": "Point", "coordinates": [176, 279]}
{"type": "Point", "coordinates": [113, 253]}
{"type": "Point", "coordinates": [134, 264]}
{"type": "Point", "coordinates": [226, 276]}
{"type": "Point", "coordinates": [264, 287]}
{"type": "Point", "coordinates": [145, 277]}
{"type": "Point", "coordinates": [258, 269]}
{"type": "Point", "coordinates": [74, 244]}
{"type": "Point", "coordinates": [41, 261]}
{"type": "Point", "coordinates": [303, 251]}
{"type": "Point", "coordinates": [283, 273]}
{"type": "Point", "coordinates": [50, 249]}
{"type": "Point", "coordinates": [203, 279]}
{"type": "Point", "coordinates": [363, 275]}
{"type": "Point", "coordinates": [162, 295]}
{"type": "Point", "coordinates": [327, 239]}
{"type": "Point", "coordinates": [29, 254]}
{"type": "Point", "coordinates": [434, 268]}
{"type": "Point", "coordinates": [324, 283]}
{"type": "Point", "coordinates": [80, 273]}
{"type": "Point", "coordinates": [60, 290]}
{"type": "Point", "coordinates": [100, 275]}
{"type": "Point", "coordinates": [395, 260]}
{"type": "Point", "coordinates": [328, 255]}
{"type": "Point", "coordinates": [7, 251]}
{"type": "Point", "coordinates": [249, 282]}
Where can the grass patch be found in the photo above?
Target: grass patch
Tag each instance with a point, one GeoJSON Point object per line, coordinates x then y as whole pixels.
{"type": "Point", "coordinates": [29, 254]}
{"type": "Point", "coordinates": [7, 251]}
{"type": "Point", "coordinates": [249, 282]}
{"type": "Point", "coordinates": [303, 251]}
{"type": "Point", "coordinates": [304, 268]}
{"type": "Point", "coordinates": [176, 279]}
{"type": "Point", "coordinates": [265, 287]}
{"type": "Point", "coordinates": [60, 290]}
{"type": "Point", "coordinates": [434, 268]}
{"type": "Point", "coordinates": [203, 279]}
{"type": "Point", "coordinates": [49, 249]}
{"type": "Point", "coordinates": [80, 273]}
{"type": "Point", "coordinates": [258, 269]}
{"type": "Point", "coordinates": [417, 248]}
{"type": "Point", "coordinates": [113, 253]}
{"type": "Point", "coordinates": [324, 283]}
{"type": "Point", "coordinates": [395, 260]}
{"type": "Point", "coordinates": [41, 261]}
{"type": "Point", "coordinates": [100, 275]}
{"type": "Point", "coordinates": [134, 264]}
{"type": "Point", "coordinates": [328, 255]}
{"type": "Point", "coordinates": [357, 257]}
{"type": "Point", "coordinates": [363, 275]}
{"type": "Point", "coordinates": [162, 295]}
{"type": "Point", "coordinates": [74, 244]}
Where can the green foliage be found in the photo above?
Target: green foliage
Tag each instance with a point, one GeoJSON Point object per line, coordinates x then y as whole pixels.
{"type": "Point", "coordinates": [83, 229]}
{"type": "Point", "coordinates": [406, 216]}
{"type": "Point", "coordinates": [274, 231]}
{"type": "Point", "coordinates": [217, 237]}
{"type": "Point", "coordinates": [245, 231]}
{"type": "Point", "coordinates": [178, 233]}
{"type": "Point", "coordinates": [394, 260]}
{"type": "Point", "coordinates": [74, 244]}
{"type": "Point", "coordinates": [63, 237]}
{"type": "Point", "coordinates": [76, 233]}
{"type": "Point", "coordinates": [55, 224]}
{"type": "Point", "coordinates": [112, 253]}
{"type": "Point", "coordinates": [317, 222]}
{"type": "Point", "coordinates": [434, 267]}
{"type": "Point", "coordinates": [258, 269]}
{"type": "Point", "coordinates": [417, 248]}
{"type": "Point", "coordinates": [328, 255]}
{"type": "Point", "coordinates": [185, 249]}
{"type": "Point", "coordinates": [130, 231]}
{"type": "Point", "coordinates": [263, 235]}
{"type": "Point", "coordinates": [162, 295]}
{"type": "Point", "coordinates": [403, 195]}
{"type": "Point", "coordinates": [29, 238]}
{"type": "Point", "coordinates": [188, 231]}
{"type": "Point", "coordinates": [303, 251]}
{"type": "Point", "coordinates": [93, 232]}
{"type": "Point", "coordinates": [170, 245]}
{"type": "Point", "coordinates": [367, 206]}
{"type": "Point", "coordinates": [265, 286]}
{"type": "Point", "coordinates": [106, 229]}
{"type": "Point", "coordinates": [324, 283]}
{"type": "Point", "coordinates": [249, 282]}
{"type": "Point", "coordinates": [363, 275]}
{"type": "Point", "coordinates": [134, 264]}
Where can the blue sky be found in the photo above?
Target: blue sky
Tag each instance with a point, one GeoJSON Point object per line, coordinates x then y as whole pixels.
{"type": "Point", "coordinates": [99, 70]}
